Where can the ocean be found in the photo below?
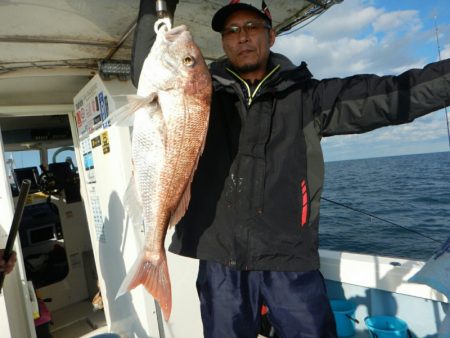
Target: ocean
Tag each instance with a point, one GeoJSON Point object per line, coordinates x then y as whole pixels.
{"type": "Point", "coordinates": [411, 191]}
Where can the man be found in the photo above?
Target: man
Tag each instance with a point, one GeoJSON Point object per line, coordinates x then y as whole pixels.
{"type": "Point", "coordinates": [249, 218]}
{"type": "Point", "coordinates": [253, 216]}
{"type": "Point", "coordinates": [7, 267]}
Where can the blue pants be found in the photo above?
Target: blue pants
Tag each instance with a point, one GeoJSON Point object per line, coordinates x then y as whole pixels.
{"type": "Point", "coordinates": [231, 301]}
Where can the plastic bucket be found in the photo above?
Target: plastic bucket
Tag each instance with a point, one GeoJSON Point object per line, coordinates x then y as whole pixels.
{"type": "Point", "coordinates": [106, 335]}
{"type": "Point", "coordinates": [344, 312]}
{"type": "Point", "coordinates": [387, 327]}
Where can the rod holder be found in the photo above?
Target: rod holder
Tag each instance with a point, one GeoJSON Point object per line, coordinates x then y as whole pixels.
{"type": "Point", "coordinates": [161, 8]}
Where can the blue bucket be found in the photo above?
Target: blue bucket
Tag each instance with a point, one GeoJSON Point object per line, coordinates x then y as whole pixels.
{"type": "Point", "coordinates": [344, 312]}
{"type": "Point", "coordinates": [387, 327]}
{"type": "Point", "coordinates": [106, 335]}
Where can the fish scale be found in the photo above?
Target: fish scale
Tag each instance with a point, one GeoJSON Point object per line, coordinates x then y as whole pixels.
{"type": "Point", "coordinates": [169, 131]}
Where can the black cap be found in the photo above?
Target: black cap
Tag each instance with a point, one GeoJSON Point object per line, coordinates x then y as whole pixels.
{"type": "Point", "coordinates": [222, 14]}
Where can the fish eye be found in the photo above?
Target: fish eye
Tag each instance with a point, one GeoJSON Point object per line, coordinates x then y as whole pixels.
{"type": "Point", "coordinates": [188, 61]}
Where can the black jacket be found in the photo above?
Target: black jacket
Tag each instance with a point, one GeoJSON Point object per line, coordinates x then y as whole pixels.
{"type": "Point", "coordinates": [256, 193]}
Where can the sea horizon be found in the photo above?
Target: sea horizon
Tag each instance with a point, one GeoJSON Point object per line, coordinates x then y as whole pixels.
{"type": "Point", "coordinates": [386, 156]}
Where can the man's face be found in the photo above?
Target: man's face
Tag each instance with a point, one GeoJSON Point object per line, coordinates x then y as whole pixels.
{"type": "Point", "coordinates": [246, 41]}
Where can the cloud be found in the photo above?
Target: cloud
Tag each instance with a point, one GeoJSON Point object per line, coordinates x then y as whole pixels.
{"type": "Point", "coordinates": [431, 127]}
{"type": "Point", "coordinates": [425, 134]}
{"type": "Point", "coordinates": [355, 37]}
{"type": "Point", "coordinates": [346, 19]}
{"type": "Point", "coordinates": [445, 52]}
{"type": "Point", "coordinates": [360, 36]}
{"type": "Point", "coordinates": [329, 58]}
{"type": "Point", "coordinates": [399, 21]}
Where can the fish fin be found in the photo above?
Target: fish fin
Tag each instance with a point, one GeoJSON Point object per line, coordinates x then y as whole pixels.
{"type": "Point", "coordinates": [182, 206]}
{"type": "Point", "coordinates": [124, 116]}
{"type": "Point", "coordinates": [179, 212]}
{"type": "Point", "coordinates": [133, 204]}
{"type": "Point", "coordinates": [202, 147]}
{"type": "Point", "coordinates": [154, 276]}
{"type": "Point", "coordinates": [137, 102]}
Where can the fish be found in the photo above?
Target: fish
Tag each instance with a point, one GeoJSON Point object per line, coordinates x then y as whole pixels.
{"type": "Point", "coordinates": [171, 116]}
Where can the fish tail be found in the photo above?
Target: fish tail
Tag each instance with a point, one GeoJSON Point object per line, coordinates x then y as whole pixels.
{"type": "Point", "coordinates": [154, 276]}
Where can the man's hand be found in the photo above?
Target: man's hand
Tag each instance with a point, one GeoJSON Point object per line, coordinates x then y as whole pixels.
{"type": "Point", "coordinates": [7, 267]}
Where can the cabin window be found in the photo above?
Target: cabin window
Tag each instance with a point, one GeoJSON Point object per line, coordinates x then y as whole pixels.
{"type": "Point", "coordinates": [63, 154]}
{"type": "Point", "coordinates": [23, 158]}
{"type": "Point", "coordinates": [22, 165]}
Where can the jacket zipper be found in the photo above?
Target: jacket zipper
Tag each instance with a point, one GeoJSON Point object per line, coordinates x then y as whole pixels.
{"type": "Point", "coordinates": [251, 95]}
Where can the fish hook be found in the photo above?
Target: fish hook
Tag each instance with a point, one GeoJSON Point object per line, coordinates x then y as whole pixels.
{"type": "Point", "coordinates": [163, 23]}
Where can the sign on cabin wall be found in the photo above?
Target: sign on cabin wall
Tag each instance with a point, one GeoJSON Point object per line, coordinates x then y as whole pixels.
{"type": "Point", "coordinates": [91, 107]}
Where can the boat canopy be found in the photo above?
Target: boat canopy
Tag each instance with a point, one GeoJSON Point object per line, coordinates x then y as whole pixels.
{"type": "Point", "coordinates": [49, 49]}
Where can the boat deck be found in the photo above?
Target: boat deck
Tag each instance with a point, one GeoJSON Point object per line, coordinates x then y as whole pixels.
{"type": "Point", "coordinates": [81, 321]}
{"type": "Point", "coordinates": [78, 320]}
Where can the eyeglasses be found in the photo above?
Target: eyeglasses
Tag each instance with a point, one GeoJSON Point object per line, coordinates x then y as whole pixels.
{"type": "Point", "coordinates": [250, 28]}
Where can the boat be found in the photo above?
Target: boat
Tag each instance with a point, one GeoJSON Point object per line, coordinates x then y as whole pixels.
{"type": "Point", "coordinates": [75, 243]}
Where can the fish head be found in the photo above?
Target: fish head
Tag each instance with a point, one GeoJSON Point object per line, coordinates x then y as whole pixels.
{"type": "Point", "coordinates": [174, 63]}
{"type": "Point", "coordinates": [186, 58]}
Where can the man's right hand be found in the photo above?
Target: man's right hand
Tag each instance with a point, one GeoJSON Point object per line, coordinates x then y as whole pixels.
{"type": "Point", "coordinates": [7, 267]}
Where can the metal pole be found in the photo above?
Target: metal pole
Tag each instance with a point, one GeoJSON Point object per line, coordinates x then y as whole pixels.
{"type": "Point", "coordinates": [439, 55]}
{"type": "Point", "coordinates": [161, 8]}
{"type": "Point", "coordinates": [24, 188]}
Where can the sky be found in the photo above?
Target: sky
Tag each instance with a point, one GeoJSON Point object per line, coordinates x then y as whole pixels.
{"type": "Point", "coordinates": [383, 37]}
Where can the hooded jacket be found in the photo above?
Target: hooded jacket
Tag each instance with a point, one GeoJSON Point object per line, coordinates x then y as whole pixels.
{"type": "Point", "coordinates": [255, 196]}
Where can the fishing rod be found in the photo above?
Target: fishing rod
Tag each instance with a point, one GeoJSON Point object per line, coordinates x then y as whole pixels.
{"type": "Point", "coordinates": [439, 55]}
{"type": "Point", "coordinates": [24, 189]}
{"type": "Point", "coordinates": [381, 219]}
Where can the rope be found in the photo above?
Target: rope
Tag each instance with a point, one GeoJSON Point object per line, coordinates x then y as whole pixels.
{"type": "Point", "coordinates": [382, 219]}
{"type": "Point", "coordinates": [300, 27]}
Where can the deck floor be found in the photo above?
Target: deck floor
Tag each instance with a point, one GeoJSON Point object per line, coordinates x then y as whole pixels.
{"type": "Point", "coordinates": [78, 320]}
{"type": "Point", "coordinates": [81, 321]}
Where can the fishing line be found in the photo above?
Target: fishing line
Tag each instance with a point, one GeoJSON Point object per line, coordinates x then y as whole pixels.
{"type": "Point", "coordinates": [381, 219]}
{"type": "Point", "coordinates": [300, 27]}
